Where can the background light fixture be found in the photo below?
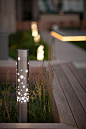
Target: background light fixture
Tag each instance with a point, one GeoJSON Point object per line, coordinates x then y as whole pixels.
{"type": "Point", "coordinates": [67, 38]}
{"type": "Point", "coordinates": [22, 84]}
{"type": "Point", "coordinates": [40, 53]}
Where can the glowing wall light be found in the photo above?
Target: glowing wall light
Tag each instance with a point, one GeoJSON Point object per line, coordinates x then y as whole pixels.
{"type": "Point", "coordinates": [22, 84]}
{"type": "Point", "coordinates": [40, 53]}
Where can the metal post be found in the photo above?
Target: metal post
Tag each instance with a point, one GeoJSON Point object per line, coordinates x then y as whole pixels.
{"type": "Point", "coordinates": [22, 84]}
{"type": "Point", "coordinates": [52, 48]}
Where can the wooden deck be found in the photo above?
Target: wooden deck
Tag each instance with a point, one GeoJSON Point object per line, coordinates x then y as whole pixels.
{"type": "Point", "coordinates": [69, 89]}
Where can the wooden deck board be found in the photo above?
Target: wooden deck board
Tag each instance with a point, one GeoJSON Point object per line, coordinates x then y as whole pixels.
{"type": "Point", "coordinates": [78, 75]}
{"type": "Point", "coordinates": [73, 102]}
{"type": "Point", "coordinates": [81, 94]}
{"type": "Point", "coordinates": [62, 105]}
{"type": "Point", "coordinates": [35, 126]}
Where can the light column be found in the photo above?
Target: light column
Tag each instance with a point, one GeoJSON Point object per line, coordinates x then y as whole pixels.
{"type": "Point", "coordinates": [22, 72]}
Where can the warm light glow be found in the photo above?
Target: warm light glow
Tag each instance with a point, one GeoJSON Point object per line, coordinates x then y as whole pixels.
{"type": "Point", "coordinates": [17, 73]}
{"type": "Point", "coordinates": [25, 94]}
{"type": "Point", "coordinates": [68, 38]}
{"type": "Point", "coordinates": [21, 69]}
{"type": "Point", "coordinates": [56, 35]}
{"type": "Point", "coordinates": [40, 53]}
{"type": "Point", "coordinates": [26, 70]}
{"type": "Point", "coordinates": [74, 38]}
{"type": "Point", "coordinates": [34, 33]}
{"type": "Point", "coordinates": [33, 25]}
{"type": "Point", "coordinates": [24, 101]}
{"type": "Point", "coordinates": [26, 89]}
{"type": "Point", "coordinates": [21, 76]}
{"type": "Point", "coordinates": [19, 93]}
{"type": "Point", "coordinates": [28, 99]}
{"type": "Point", "coordinates": [22, 98]}
{"type": "Point", "coordinates": [23, 86]}
{"type": "Point", "coordinates": [18, 80]}
{"type": "Point", "coordinates": [18, 58]}
{"type": "Point", "coordinates": [37, 38]}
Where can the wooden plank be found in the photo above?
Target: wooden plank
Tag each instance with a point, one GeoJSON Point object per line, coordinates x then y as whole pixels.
{"type": "Point", "coordinates": [81, 94]}
{"type": "Point", "coordinates": [61, 103]}
{"type": "Point", "coordinates": [82, 71]}
{"type": "Point", "coordinates": [79, 76]}
{"type": "Point", "coordinates": [74, 104]}
{"type": "Point", "coordinates": [35, 126]}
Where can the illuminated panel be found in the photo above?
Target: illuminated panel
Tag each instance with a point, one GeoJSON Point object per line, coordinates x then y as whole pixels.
{"type": "Point", "coordinates": [56, 35]}
{"type": "Point", "coordinates": [68, 38]}
{"type": "Point", "coordinates": [74, 38]}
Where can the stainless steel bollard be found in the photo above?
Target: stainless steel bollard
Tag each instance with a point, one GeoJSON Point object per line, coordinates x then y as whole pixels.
{"type": "Point", "coordinates": [22, 72]}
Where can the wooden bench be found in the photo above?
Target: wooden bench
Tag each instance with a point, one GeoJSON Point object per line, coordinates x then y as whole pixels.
{"type": "Point", "coordinates": [69, 91]}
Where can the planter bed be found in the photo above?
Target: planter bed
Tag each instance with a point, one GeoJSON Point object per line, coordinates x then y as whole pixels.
{"type": "Point", "coordinates": [40, 90]}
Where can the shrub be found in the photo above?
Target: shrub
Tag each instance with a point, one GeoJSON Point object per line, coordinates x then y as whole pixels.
{"type": "Point", "coordinates": [24, 40]}
{"type": "Point", "coordinates": [40, 90]}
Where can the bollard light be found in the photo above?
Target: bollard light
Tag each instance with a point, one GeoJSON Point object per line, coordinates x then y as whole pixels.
{"type": "Point", "coordinates": [37, 38]}
{"type": "Point", "coordinates": [34, 33]}
{"type": "Point", "coordinates": [40, 53]}
{"type": "Point", "coordinates": [22, 84]}
{"type": "Point", "coordinates": [34, 25]}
